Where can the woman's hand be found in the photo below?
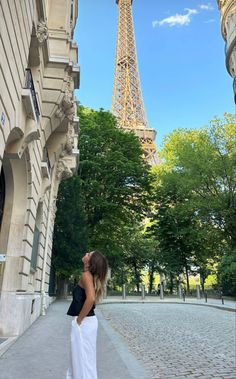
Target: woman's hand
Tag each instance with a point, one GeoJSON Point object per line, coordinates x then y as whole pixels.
{"type": "Point", "coordinates": [78, 320]}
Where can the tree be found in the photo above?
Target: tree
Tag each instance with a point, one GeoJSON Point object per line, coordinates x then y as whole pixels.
{"type": "Point", "coordinates": [107, 195]}
{"type": "Point", "coordinates": [227, 273]}
{"type": "Point", "coordinates": [70, 239]}
{"type": "Point", "coordinates": [194, 192]}
{"type": "Point", "coordinates": [114, 178]}
{"type": "Point", "coordinates": [204, 164]}
{"type": "Point", "coordinates": [136, 253]}
{"type": "Point", "coordinates": [175, 226]}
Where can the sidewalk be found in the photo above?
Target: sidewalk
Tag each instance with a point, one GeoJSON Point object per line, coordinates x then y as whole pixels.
{"type": "Point", "coordinates": [229, 305]}
{"type": "Point", "coordinates": [42, 352]}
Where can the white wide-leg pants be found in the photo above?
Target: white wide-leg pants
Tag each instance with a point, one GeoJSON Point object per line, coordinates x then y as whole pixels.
{"type": "Point", "coordinates": [83, 349]}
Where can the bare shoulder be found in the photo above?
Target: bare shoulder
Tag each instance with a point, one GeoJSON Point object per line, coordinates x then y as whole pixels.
{"type": "Point", "coordinates": [87, 278]}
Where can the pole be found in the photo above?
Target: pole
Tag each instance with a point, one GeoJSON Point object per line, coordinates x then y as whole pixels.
{"type": "Point", "coordinates": [143, 291]}
{"type": "Point", "coordinates": [123, 292]}
{"type": "Point", "coordinates": [180, 291]}
{"type": "Point", "coordinates": [161, 292]}
{"type": "Point", "coordinates": [198, 291]}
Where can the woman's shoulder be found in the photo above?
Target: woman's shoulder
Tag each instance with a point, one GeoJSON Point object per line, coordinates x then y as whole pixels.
{"type": "Point", "coordinates": [86, 277]}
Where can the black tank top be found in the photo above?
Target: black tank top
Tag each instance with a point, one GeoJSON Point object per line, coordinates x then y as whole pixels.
{"type": "Point", "coordinates": [79, 297]}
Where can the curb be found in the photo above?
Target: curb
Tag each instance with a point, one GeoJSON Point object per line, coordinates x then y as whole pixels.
{"type": "Point", "coordinates": [4, 346]}
{"type": "Point", "coordinates": [133, 365]}
{"type": "Point", "coordinates": [223, 308]}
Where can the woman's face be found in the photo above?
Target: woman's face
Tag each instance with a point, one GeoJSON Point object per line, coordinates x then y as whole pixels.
{"type": "Point", "coordinates": [86, 258]}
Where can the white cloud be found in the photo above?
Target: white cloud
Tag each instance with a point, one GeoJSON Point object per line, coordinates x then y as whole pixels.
{"type": "Point", "coordinates": [155, 23]}
{"type": "Point", "coordinates": [206, 7]}
{"type": "Point", "coordinates": [178, 19]}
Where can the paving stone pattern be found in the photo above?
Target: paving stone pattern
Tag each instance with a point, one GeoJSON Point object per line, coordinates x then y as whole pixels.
{"type": "Point", "coordinates": [175, 341]}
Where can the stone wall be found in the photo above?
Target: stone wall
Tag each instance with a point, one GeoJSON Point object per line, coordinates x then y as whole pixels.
{"type": "Point", "coordinates": [228, 28]}
{"type": "Point", "coordinates": [38, 146]}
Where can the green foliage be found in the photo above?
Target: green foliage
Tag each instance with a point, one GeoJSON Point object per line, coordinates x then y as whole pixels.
{"type": "Point", "coordinates": [227, 273]}
{"type": "Point", "coordinates": [192, 204]}
{"type": "Point", "coordinates": [70, 239]}
{"type": "Point", "coordinates": [202, 163]}
{"type": "Point", "coordinates": [114, 179]}
{"type": "Point", "coordinates": [195, 198]}
{"type": "Point", "coordinates": [108, 194]}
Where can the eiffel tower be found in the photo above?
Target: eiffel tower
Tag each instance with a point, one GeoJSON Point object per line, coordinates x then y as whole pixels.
{"type": "Point", "coordinates": [127, 100]}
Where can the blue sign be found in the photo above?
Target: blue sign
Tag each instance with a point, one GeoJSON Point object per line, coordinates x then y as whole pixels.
{"type": "Point", "coordinates": [3, 118]}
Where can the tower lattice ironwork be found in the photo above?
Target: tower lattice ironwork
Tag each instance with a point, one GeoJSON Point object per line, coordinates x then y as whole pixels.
{"type": "Point", "coordinates": [127, 101]}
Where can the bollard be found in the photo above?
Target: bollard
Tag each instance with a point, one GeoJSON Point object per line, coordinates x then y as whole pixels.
{"type": "Point", "coordinates": [105, 292]}
{"type": "Point", "coordinates": [222, 299]}
{"type": "Point", "coordinates": [180, 291]}
{"type": "Point", "coordinates": [183, 294]}
{"type": "Point", "coordinates": [161, 292]}
{"type": "Point", "coordinates": [123, 292]}
{"type": "Point", "coordinates": [205, 294]}
{"type": "Point", "coordinates": [198, 291]}
{"type": "Point", "coordinates": [143, 291]}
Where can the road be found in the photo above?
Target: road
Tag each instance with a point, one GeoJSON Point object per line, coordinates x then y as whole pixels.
{"type": "Point", "coordinates": [135, 341]}
{"type": "Point", "coordinates": [177, 340]}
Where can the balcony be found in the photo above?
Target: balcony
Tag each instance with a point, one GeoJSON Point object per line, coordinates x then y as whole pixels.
{"type": "Point", "coordinates": [29, 97]}
{"type": "Point", "coordinates": [45, 165]}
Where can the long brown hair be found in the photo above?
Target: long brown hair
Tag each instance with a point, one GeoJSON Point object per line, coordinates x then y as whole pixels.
{"type": "Point", "coordinates": [98, 266]}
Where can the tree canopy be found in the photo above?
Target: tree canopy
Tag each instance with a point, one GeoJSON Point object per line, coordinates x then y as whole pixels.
{"type": "Point", "coordinates": [107, 194]}
{"type": "Point", "coordinates": [189, 200]}
{"type": "Point", "coordinates": [194, 192]}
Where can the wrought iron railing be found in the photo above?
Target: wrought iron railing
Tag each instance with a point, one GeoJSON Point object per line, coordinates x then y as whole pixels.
{"type": "Point", "coordinates": [29, 84]}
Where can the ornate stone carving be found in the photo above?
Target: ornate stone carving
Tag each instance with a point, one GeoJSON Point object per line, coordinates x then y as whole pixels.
{"type": "Point", "coordinates": [42, 32]}
{"type": "Point", "coordinates": [67, 107]}
{"type": "Point", "coordinates": [63, 171]}
{"type": "Point", "coordinates": [53, 209]}
{"type": "Point", "coordinates": [221, 3]}
{"type": "Point", "coordinates": [70, 136]}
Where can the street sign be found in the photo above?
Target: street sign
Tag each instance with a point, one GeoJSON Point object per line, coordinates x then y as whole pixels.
{"type": "Point", "coordinates": [2, 258]}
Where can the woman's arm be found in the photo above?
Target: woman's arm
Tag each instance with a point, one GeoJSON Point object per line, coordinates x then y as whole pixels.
{"type": "Point", "coordinates": [87, 283]}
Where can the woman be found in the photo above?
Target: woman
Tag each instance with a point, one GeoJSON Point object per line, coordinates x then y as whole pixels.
{"type": "Point", "coordinates": [88, 291]}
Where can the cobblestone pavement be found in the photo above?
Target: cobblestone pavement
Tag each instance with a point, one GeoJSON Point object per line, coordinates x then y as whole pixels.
{"type": "Point", "coordinates": [177, 341]}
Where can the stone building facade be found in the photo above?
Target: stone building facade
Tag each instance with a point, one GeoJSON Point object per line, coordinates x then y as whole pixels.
{"type": "Point", "coordinates": [38, 147]}
{"type": "Point", "coordinates": [228, 29]}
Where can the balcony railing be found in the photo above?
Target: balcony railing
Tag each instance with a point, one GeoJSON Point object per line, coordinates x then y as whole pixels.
{"type": "Point", "coordinates": [29, 84]}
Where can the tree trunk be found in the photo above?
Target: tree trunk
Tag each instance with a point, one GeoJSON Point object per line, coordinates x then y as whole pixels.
{"type": "Point", "coordinates": [151, 277]}
{"type": "Point", "coordinates": [62, 288]}
{"type": "Point", "coordinates": [171, 283]}
{"type": "Point", "coordinates": [202, 281]}
{"type": "Point", "coordinates": [136, 275]}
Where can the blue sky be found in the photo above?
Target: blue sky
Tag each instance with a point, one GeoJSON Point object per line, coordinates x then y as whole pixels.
{"type": "Point", "coordinates": [180, 57]}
